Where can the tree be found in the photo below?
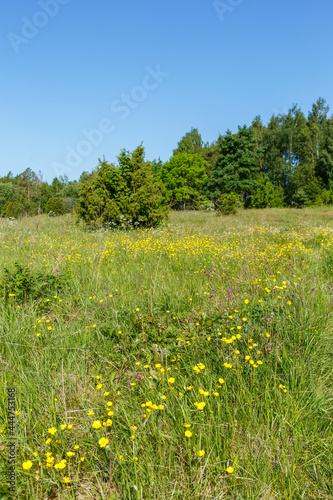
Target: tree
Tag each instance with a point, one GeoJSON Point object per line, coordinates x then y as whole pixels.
{"type": "Point", "coordinates": [237, 166]}
{"type": "Point", "coordinates": [183, 177]}
{"type": "Point", "coordinates": [125, 196]}
{"type": "Point", "coordinates": [190, 143]}
{"type": "Point", "coordinates": [8, 194]}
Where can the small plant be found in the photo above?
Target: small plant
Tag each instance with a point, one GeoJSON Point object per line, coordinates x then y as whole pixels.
{"type": "Point", "coordinates": [228, 204]}
{"type": "Point", "coordinates": [22, 283]}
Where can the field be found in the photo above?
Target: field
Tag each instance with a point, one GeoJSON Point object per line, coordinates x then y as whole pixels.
{"type": "Point", "coordinates": [191, 361]}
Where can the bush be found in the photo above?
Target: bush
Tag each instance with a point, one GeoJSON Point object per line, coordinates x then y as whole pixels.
{"type": "Point", "coordinates": [55, 206]}
{"type": "Point", "coordinates": [266, 194]}
{"type": "Point", "coordinates": [122, 197]}
{"type": "Point", "coordinates": [228, 204]}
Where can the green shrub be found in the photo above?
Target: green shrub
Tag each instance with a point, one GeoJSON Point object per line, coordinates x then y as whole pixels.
{"type": "Point", "coordinates": [228, 204]}
{"type": "Point", "coordinates": [124, 197]}
{"type": "Point", "coordinates": [266, 194]}
{"type": "Point", "coordinates": [55, 206]}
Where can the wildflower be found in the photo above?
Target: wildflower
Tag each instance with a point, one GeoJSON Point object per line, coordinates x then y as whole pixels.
{"type": "Point", "coordinates": [96, 424]}
{"type": "Point", "coordinates": [76, 447]}
{"type": "Point", "coordinates": [70, 454]}
{"type": "Point", "coordinates": [221, 380]}
{"type": "Point", "coordinates": [66, 480]}
{"type": "Point", "coordinates": [187, 425]}
{"type": "Point", "coordinates": [52, 430]}
{"type": "Point", "coordinates": [163, 397]}
{"type": "Point", "coordinates": [201, 453]}
{"type": "Point", "coordinates": [189, 388]}
{"type": "Point", "coordinates": [103, 442]}
{"type": "Point", "coordinates": [200, 406]}
{"type": "Point", "coordinates": [108, 423]}
{"type": "Point", "coordinates": [244, 319]}
{"type": "Point", "coordinates": [90, 412]}
{"type": "Point", "coordinates": [70, 427]}
{"type": "Point", "coordinates": [63, 426]}
{"type": "Point", "coordinates": [106, 393]}
{"type": "Point", "coordinates": [132, 437]}
{"type": "Point", "coordinates": [27, 465]}
{"type": "Point", "coordinates": [60, 465]}
{"type": "Point", "coordinates": [229, 470]}
{"type": "Point", "coordinates": [171, 380]}
{"type": "Point", "coordinates": [188, 434]}
{"type": "Point", "coordinates": [246, 301]}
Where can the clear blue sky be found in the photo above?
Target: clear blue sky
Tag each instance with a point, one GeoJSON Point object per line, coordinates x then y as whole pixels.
{"type": "Point", "coordinates": [216, 71]}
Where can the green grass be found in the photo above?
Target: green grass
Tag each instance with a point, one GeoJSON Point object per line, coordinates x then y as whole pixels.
{"type": "Point", "coordinates": [79, 309]}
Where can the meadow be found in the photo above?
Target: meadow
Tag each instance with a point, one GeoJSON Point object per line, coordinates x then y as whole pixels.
{"type": "Point", "coordinates": [190, 361]}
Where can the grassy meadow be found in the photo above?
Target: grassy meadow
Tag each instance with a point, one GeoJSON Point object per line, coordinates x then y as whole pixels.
{"type": "Point", "coordinates": [191, 361]}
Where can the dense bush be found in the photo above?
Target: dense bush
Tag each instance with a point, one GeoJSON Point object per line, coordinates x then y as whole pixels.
{"type": "Point", "coordinates": [122, 197]}
{"type": "Point", "coordinates": [56, 206]}
{"type": "Point", "coordinates": [228, 204]}
{"type": "Point", "coordinates": [266, 194]}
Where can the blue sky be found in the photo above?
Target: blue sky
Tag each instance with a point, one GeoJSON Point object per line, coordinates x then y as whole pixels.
{"type": "Point", "coordinates": [81, 79]}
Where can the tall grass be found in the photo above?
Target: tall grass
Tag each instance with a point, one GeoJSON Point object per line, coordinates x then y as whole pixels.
{"type": "Point", "coordinates": [123, 335]}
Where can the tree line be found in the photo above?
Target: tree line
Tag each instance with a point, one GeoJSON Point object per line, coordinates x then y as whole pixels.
{"type": "Point", "coordinates": [287, 162]}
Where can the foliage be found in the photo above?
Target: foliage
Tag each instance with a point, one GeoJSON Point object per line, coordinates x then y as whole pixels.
{"type": "Point", "coordinates": [22, 283]}
{"type": "Point", "coordinates": [228, 204]}
{"type": "Point", "coordinates": [125, 196]}
{"type": "Point", "coordinates": [56, 206]}
{"type": "Point", "coordinates": [266, 194]}
{"type": "Point", "coordinates": [236, 168]}
{"type": "Point", "coordinates": [183, 177]}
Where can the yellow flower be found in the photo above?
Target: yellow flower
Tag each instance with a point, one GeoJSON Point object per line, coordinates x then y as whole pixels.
{"type": "Point", "coordinates": [103, 442]}
{"type": "Point", "coordinates": [76, 447]}
{"type": "Point", "coordinates": [48, 441]}
{"type": "Point", "coordinates": [244, 319]}
{"type": "Point", "coordinates": [187, 425]}
{"type": "Point", "coordinates": [63, 426]}
{"type": "Point", "coordinates": [188, 434]}
{"type": "Point", "coordinates": [66, 480]}
{"type": "Point", "coordinates": [133, 437]}
{"type": "Point", "coordinates": [246, 301]}
{"type": "Point", "coordinates": [70, 453]}
{"type": "Point", "coordinates": [221, 380]}
{"type": "Point", "coordinates": [268, 334]}
{"type": "Point", "coordinates": [200, 406]}
{"type": "Point", "coordinates": [109, 422]}
{"type": "Point", "coordinates": [99, 386]}
{"type": "Point", "coordinates": [189, 388]}
{"type": "Point", "coordinates": [27, 465]}
{"type": "Point", "coordinates": [70, 427]}
{"type": "Point", "coordinates": [163, 397]}
{"type": "Point", "coordinates": [90, 412]}
{"type": "Point", "coordinates": [171, 380]}
{"type": "Point", "coordinates": [52, 430]}
{"type": "Point", "coordinates": [201, 453]}
{"type": "Point", "coordinates": [60, 465]}
{"type": "Point", "coordinates": [106, 393]}
{"type": "Point", "coordinates": [229, 470]}
{"type": "Point", "coordinates": [216, 394]}
{"type": "Point", "coordinates": [96, 424]}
